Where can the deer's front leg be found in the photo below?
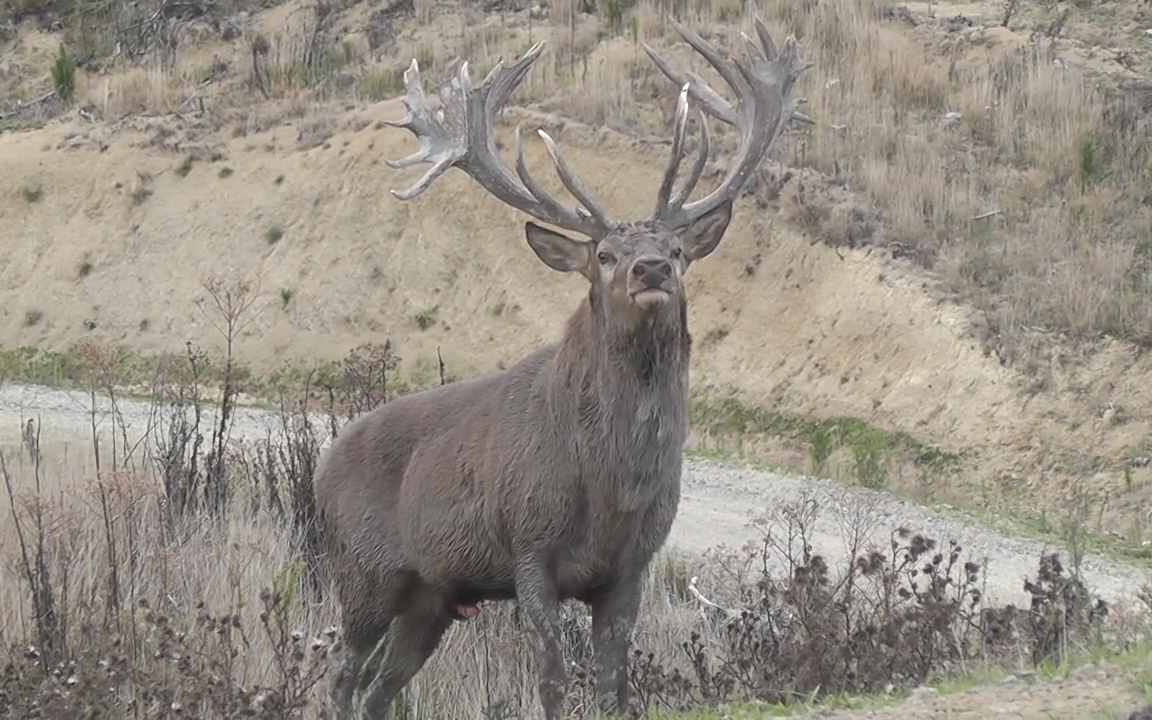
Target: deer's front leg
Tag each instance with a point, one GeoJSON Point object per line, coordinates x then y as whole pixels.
{"type": "Point", "coordinates": [537, 596]}
{"type": "Point", "coordinates": [613, 617]}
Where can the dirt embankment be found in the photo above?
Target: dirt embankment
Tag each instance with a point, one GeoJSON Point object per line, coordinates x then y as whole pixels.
{"type": "Point", "coordinates": [122, 236]}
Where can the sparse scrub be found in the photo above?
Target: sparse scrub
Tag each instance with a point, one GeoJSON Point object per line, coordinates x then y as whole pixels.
{"type": "Point", "coordinates": [834, 445]}
{"type": "Point", "coordinates": [381, 84]}
{"type": "Point", "coordinates": [426, 317]}
{"type": "Point", "coordinates": [303, 59]}
{"type": "Point", "coordinates": [273, 234]}
{"type": "Point", "coordinates": [286, 295]}
{"type": "Point", "coordinates": [32, 193]}
{"type": "Point", "coordinates": [1048, 147]}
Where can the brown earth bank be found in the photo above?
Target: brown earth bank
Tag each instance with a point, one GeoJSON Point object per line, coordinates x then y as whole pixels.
{"type": "Point", "coordinates": [108, 226]}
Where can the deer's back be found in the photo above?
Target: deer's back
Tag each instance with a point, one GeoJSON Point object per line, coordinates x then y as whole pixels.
{"type": "Point", "coordinates": [425, 460]}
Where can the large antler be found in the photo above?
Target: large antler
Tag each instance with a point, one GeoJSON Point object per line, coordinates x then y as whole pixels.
{"type": "Point", "coordinates": [460, 134]}
{"type": "Point", "coordinates": [762, 84]}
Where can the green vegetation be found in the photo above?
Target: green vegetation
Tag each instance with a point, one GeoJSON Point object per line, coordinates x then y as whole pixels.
{"type": "Point", "coordinates": [426, 317]}
{"type": "Point", "coordinates": [872, 450]}
{"type": "Point", "coordinates": [64, 77]}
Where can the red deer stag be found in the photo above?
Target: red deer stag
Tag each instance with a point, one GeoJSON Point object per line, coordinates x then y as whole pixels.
{"type": "Point", "coordinates": [560, 477]}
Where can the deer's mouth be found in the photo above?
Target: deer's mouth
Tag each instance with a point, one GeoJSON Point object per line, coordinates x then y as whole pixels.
{"type": "Point", "coordinates": [651, 297]}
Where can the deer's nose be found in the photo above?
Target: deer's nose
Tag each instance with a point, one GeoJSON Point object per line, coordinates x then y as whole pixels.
{"type": "Point", "coordinates": [652, 270]}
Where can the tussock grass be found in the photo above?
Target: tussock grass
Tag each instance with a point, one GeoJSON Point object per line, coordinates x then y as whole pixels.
{"type": "Point", "coordinates": [139, 90]}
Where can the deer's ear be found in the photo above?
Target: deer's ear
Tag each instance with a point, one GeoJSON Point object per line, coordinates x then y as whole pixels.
{"type": "Point", "coordinates": [701, 237]}
{"type": "Point", "coordinates": [558, 252]}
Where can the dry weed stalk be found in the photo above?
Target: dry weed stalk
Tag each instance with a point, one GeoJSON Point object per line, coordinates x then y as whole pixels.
{"type": "Point", "coordinates": [234, 303]}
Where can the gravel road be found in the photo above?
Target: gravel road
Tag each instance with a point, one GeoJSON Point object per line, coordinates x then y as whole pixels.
{"type": "Point", "coordinates": [718, 500]}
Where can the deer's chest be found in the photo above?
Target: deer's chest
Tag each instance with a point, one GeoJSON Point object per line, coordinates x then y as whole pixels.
{"type": "Point", "coordinates": [611, 541]}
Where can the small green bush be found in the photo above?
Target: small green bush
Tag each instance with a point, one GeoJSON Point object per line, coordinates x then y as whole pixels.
{"type": "Point", "coordinates": [64, 76]}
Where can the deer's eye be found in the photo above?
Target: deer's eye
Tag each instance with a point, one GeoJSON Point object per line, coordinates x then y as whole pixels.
{"type": "Point", "coordinates": [605, 258]}
{"type": "Point", "coordinates": [676, 253]}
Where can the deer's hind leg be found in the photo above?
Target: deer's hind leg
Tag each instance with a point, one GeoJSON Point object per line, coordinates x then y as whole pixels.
{"type": "Point", "coordinates": [412, 638]}
{"type": "Point", "coordinates": [369, 612]}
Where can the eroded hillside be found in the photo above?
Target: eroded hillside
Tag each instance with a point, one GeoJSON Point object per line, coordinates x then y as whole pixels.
{"type": "Point", "coordinates": [975, 281]}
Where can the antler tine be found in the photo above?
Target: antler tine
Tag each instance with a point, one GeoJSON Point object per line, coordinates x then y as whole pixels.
{"type": "Point", "coordinates": [571, 183]}
{"type": "Point", "coordinates": [762, 83]}
{"type": "Point", "coordinates": [536, 190]}
{"type": "Point", "coordinates": [420, 122]}
{"type": "Point", "coordinates": [677, 156]}
{"type": "Point", "coordinates": [766, 40]}
{"type": "Point", "coordinates": [705, 96]}
{"type": "Point", "coordinates": [460, 134]}
{"type": "Point", "coordinates": [698, 166]}
{"type": "Point", "coordinates": [698, 90]}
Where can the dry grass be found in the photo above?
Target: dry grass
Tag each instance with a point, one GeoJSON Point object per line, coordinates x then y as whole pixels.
{"type": "Point", "coordinates": [152, 569]}
{"type": "Point", "coordinates": [136, 91]}
{"type": "Point", "coordinates": [1052, 151]}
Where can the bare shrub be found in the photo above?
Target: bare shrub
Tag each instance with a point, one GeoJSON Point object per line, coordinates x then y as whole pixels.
{"type": "Point", "coordinates": [185, 664]}
{"type": "Point", "coordinates": [232, 308]}
{"type": "Point", "coordinates": [1062, 611]}
{"type": "Point", "coordinates": [219, 616]}
{"type": "Point", "coordinates": [362, 383]}
{"type": "Point", "coordinates": [124, 605]}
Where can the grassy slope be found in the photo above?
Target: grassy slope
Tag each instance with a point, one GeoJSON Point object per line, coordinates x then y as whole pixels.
{"type": "Point", "coordinates": [1017, 380]}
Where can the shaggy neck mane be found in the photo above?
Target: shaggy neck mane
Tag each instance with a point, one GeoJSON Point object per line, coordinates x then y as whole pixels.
{"type": "Point", "coordinates": [648, 356]}
{"type": "Point", "coordinates": [620, 396]}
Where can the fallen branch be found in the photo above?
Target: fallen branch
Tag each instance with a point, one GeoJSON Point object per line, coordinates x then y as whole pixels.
{"type": "Point", "coordinates": [705, 601]}
{"type": "Point", "coordinates": [23, 105]}
{"type": "Point", "coordinates": [195, 94]}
